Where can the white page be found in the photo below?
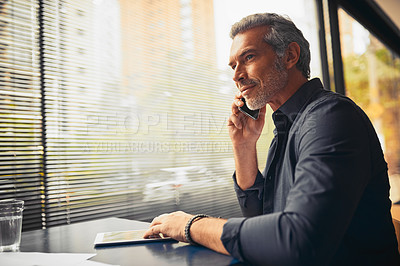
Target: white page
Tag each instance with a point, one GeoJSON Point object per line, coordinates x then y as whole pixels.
{"type": "Point", "coordinates": [47, 259]}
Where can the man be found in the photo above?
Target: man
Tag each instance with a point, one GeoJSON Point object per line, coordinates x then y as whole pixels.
{"type": "Point", "coordinates": [323, 198]}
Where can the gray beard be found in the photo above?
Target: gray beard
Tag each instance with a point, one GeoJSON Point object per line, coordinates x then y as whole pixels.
{"type": "Point", "coordinates": [275, 81]}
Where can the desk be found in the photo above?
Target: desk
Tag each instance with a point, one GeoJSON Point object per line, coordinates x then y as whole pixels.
{"type": "Point", "coordinates": [79, 237]}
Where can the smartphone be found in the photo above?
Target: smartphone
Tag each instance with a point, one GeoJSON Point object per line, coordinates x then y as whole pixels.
{"type": "Point", "coordinates": [126, 237]}
{"type": "Point", "coordinates": [251, 113]}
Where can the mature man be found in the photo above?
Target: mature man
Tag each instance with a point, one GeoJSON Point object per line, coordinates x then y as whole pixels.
{"type": "Point", "coordinates": [323, 198]}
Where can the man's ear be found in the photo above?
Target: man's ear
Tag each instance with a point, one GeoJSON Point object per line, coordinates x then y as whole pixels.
{"type": "Point", "coordinates": [292, 55]}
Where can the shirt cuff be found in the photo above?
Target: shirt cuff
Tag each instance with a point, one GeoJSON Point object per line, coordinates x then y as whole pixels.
{"type": "Point", "coordinates": [254, 191]}
{"type": "Point", "coordinates": [231, 237]}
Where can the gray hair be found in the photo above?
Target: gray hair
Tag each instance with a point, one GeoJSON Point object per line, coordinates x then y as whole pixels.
{"type": "Point", "coordinates": [282, 31]}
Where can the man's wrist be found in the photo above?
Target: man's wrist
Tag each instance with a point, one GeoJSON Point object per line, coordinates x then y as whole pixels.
{"type": "Point", "coordinates": [189, 224]}
{"type": "Point", "coordinates": [244, 146]}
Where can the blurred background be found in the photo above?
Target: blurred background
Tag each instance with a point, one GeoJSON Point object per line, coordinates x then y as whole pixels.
{"type": "Point", "coordinates": [119, 107]}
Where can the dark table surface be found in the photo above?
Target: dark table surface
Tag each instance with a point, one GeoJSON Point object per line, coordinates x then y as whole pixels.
{"type": "Point", "coordinates": [79, 238]}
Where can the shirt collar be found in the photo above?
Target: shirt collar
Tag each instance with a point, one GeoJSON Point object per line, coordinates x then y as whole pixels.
{"type": "Point", "coordinates": [296, 102]}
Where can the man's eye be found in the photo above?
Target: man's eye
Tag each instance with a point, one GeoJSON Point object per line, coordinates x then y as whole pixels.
{"type": "Point", "coordinates": [248, 57]}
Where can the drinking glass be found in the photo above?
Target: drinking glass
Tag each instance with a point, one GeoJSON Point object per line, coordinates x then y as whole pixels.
{"type": "Point", "coordinates": [10, 224]}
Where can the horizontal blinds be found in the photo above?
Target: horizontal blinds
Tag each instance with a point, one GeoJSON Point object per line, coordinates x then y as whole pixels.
{"type": "Point", "coordinates": [21, 171]}
{"type": "Point", "coordinates": [82, 89]}
{"type": "Point", "coordinates": [135, 121]}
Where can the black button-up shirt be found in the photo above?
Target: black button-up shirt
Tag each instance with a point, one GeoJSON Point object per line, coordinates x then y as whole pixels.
{"type": "Point", "coordinates": [323, 198]}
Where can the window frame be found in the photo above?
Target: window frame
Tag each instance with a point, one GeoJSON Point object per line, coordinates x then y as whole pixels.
{"type": "Point", "coordinates": [371, 16]}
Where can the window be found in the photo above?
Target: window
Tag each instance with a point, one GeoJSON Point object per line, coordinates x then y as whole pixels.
{"type": "Point", "coordinates": [119, 108]}
{"type": "Point", "coordinates": [372, 79]}
{"type": "Point", "coordinates": [21, 172]}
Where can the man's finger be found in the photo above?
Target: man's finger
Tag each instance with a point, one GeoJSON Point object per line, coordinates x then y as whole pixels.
{"type": "Point", "coordinates": [235, 105]}
{"type": "Point", "coordinates": [235, 121]}
{"type": "Point", "coordinates": [154, 230]}
{"type": "Point", "coordinates": [157, 220]}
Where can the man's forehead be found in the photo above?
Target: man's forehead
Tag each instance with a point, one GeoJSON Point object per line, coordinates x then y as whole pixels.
{"type": "Point", "coordinates": [246, 39]}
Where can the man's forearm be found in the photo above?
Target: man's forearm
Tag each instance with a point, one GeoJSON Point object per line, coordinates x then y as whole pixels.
{"type": "Point", "coordinates": [245, 165]}
{"type": "Point", "coordinates": [207, 232]}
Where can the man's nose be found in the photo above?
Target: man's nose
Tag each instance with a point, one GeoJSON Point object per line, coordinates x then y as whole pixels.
{"type": "Point", "coordinates": [240, 74]}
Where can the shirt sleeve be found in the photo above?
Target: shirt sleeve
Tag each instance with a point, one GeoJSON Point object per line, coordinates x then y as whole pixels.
{"type": "Point", "coordinates": [250, 200]}
{"type": "Point", "coordinates": [329, 178]}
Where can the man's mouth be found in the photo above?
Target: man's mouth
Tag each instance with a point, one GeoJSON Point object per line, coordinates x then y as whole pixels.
{"type": "Point", "coordinates": [246, 84]}
{"type": "Point", "coordinates": [246, 89]}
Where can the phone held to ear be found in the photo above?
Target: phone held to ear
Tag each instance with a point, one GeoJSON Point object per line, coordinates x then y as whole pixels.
{"type": "Point", "coordinates": [251, 113]}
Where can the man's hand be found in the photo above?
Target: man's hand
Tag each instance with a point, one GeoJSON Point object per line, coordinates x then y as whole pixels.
{"type": "Point", "coordinates": [206, 231]}
{"type": "Point", "coordinates": [244, 133]}
{"type": "Point", "coordinates": [244, 130]}
{"type": "Point", "coordinates": [172, 225]}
